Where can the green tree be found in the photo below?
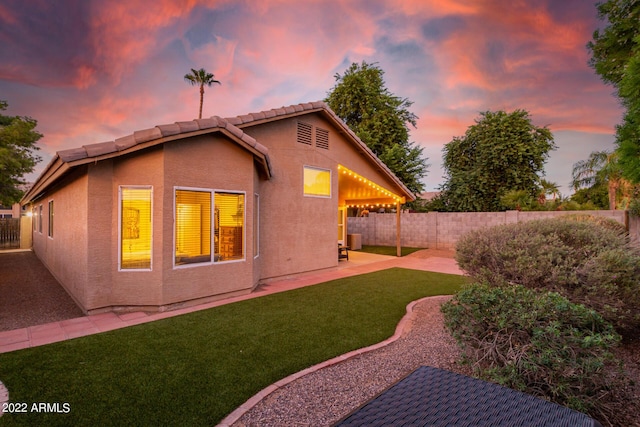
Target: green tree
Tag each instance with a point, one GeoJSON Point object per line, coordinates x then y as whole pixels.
{"type": "Point", "coordinates": [200, 78]}
{"type": "Point", "coordinates": [17, 154]}
{"type": "Point", "coordinates": [502, 152]}
{"type": "Point", "coordinates": [548, 188]}
{"type": "Point", "coordinates": [602, 167]}
{"type": "Point", "coordinates": [616, 58]}
{"type": "Point", "coordinates": [380, 119]}
{"type": "Point", "coordinates": [516, 199]}
{"type": "Point", "coordinates": [597, 195]}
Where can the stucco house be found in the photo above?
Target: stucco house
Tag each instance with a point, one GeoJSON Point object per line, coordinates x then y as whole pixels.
{"type": "Point", "coordinates": [195, 211]}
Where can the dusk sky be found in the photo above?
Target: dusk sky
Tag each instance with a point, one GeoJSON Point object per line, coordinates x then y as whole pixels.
{"type": "Point", "coordinates": [91, 71]}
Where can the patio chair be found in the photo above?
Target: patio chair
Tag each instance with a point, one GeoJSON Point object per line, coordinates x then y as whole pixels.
{"type": "Point", "coordinates": [343, 252]}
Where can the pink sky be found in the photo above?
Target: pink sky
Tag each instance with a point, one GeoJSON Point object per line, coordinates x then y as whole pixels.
{"type": "Point", "coordinates": [94, 70]}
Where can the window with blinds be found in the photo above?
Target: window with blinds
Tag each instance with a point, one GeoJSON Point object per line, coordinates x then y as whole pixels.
{"type": "Point", "coordinates": [317, 182]}
{"type": "Point", "coordinates": [229, 226]}
{"type": "Point", "coordinates": [193, 227]}
{"type": "Point", "coordinates": [135, 228]}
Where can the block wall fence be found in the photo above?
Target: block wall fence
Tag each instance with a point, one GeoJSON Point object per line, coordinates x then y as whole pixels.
{"type": "Point", "coordinates": [441, 230]}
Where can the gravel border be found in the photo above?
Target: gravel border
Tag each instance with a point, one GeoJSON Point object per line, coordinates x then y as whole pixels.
{"type": "Point", "coordinates": [29, 294]}
{"type": "Point", "coordinates": [326, 393]}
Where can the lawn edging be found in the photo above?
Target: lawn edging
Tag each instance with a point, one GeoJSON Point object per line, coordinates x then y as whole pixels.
{"type": "Point", "coordinates": [403, 325]}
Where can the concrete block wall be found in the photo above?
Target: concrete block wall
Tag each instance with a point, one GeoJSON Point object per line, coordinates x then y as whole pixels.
{"type": "Point", "coordinates": [441, 230]}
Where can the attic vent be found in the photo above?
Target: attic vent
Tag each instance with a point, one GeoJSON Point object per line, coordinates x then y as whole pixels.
{"type": "Point", "coordinates": [304, 133]}
{"type": "Point", "coordinates": [322, 138]}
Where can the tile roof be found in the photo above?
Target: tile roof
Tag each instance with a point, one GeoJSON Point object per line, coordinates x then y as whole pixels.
{"type": "Point", "coordinates": [177, 128]}
{"type": "Point", "coordinates": [156, 133]}
{"type": "Point", "coordinates": [230, 125]}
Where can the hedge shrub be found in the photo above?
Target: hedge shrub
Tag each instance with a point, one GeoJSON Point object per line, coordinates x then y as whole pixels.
{"type": "Point", "coordinates": [536, 342]}
{"type": "Point", "coordinates": [587, 259]}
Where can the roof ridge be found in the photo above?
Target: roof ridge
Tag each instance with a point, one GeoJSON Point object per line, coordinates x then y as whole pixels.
{"type": "Point", "coordinates": [275, 112]}
{"type": "Point", "coordinates": [145, 135]}
{"type": "Point", "coordinates": [179, 127]}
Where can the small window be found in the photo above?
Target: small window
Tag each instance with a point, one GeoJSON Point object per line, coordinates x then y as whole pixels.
{"type": "Point", "coordinates": [135, 228]}
{"type": "Point", "coordinates": [193, 227]}
{"type": "Point", "coordinates": [50, 232]}
{"type": "Point", "coordinates": [40, 219]}
{"type": "Point", "coordinates": [256, 225]}
{"type": "Point", "coordinates": [304, 133]}
{"type": "Point", "coordinates": [317, 182]}
{"type": "Point", "coordinates": [322, 138]}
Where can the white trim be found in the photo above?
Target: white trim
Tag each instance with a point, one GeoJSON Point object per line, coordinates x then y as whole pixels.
{"type": "Point", "coordinates": [211, 226]}
{"type": "Point", "coordinates": [120, 187]}
{"type": "Point", "coordinates": [49, 226]}
{"type": "Point", "coordinates": [318, 196]}
{"type": "Point", "coordinates": [40, 218]}
{"type": "Point", "coordinates": [256, 225]}
{"type": "Point", "coordinates": [212, 193]}
{"type": "Point", "coordinates": [244, 226]}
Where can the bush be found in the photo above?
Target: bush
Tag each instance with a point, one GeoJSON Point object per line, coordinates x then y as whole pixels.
{"type": "Point", "coordinates": [535, 254]}
{"type": "Point", "coordinates": [539, 343]}
{"type": "Point", "coordinates": [586, 259]}
{"type": "Point", "coordinates": [610, 283]}
{"type": "Point", "coordinates": [607, 223]}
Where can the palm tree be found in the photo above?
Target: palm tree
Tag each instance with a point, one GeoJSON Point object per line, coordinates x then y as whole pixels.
{"type": "Point", "coordinates": [549, 189]}
{"type": "Point", "coordinates": [200, 78]}
{"type": "Point", "coordinates": [600, 167]}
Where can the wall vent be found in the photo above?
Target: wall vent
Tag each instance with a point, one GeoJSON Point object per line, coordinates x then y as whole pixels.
{"type": "Point", "coordinates": [322, 138]}
{"type": "Point", "coordinates": [304, 133]}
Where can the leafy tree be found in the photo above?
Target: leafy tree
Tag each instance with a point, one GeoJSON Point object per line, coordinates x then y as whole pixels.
{"type": "Point", "coordinates": [597, 194]}
{"type": "Point", "coordinates": [602, 167]}
{"type": "Point", "coordinates": [380, 119]}
{"type": "Point", "coordinates": [17, 146]}
{"type": "Point", "coordinates": [616, 58]}
{"type": "Point", "coordinates": [200, 78]}
{"type": "Point", "coordinates": [502, 152]}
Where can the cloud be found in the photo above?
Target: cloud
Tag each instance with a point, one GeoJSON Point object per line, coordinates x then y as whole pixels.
{"type": "Point", "coordinates": [96, 70]}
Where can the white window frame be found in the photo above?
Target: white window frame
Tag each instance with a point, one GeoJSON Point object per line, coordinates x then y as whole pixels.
{"type": "Point", "coordinates": [40, 218]}
{"type": "Point", "coordinates": [50, 215]}
{"type": "Point", "coordinates": [318, 196]}
{"type": "Point", "coordinates": [256, 225]}
{"type": "Point", "coordinates": [148, 187]}
{"type": "Point", "coordinates": [212, 193]}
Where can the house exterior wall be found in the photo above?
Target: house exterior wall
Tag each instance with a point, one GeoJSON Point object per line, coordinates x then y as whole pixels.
{"type": "Point", "coordinates": [84, 251]}
{"type": "Point", "coordinates": [131, 288]}
{"type": "Point", "coordinates": [297, 232]}
{"type": "Point", "coordinates": [65, 255]}
{"type": "Point", "coordinates": [209, 162]}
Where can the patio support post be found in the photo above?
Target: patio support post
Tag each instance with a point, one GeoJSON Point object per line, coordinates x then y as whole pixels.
{"type": "Point", "coordinates": [398, 248]}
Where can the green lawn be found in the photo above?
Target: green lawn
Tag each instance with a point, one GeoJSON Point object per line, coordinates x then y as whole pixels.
{"type": "Point", "coordinates": [195, 369]}
{"type": "Point", "coordinates": [388, 250]}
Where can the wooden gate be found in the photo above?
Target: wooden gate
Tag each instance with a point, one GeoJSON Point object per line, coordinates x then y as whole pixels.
{"type": "Point", "coordinates": [9, 233]}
